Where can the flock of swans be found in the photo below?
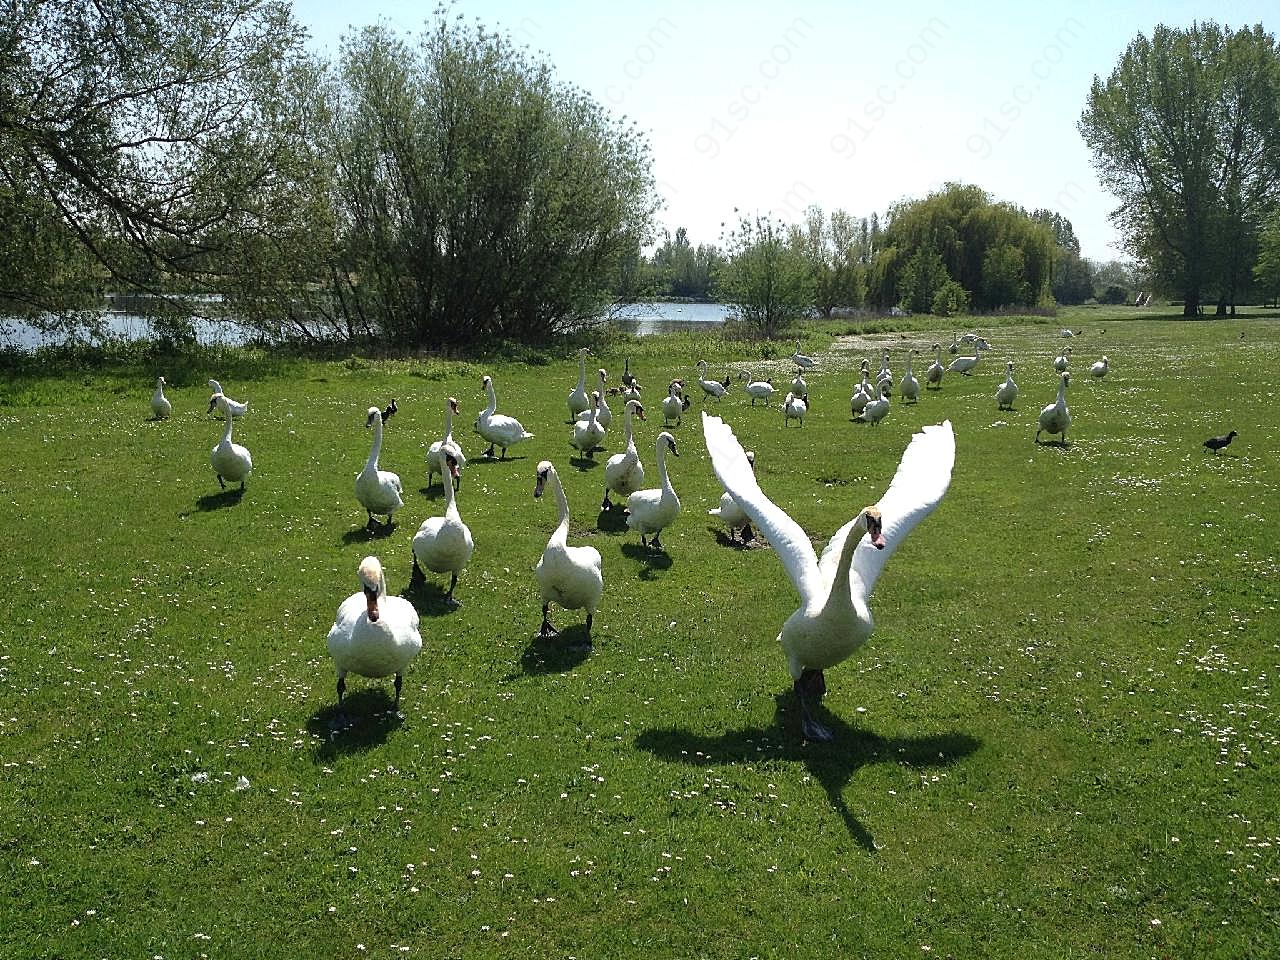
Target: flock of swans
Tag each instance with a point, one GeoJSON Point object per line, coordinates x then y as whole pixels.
{"type": "Point", "coordinates": [375, 635]}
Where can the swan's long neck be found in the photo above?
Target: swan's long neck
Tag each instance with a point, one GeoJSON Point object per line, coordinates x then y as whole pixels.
{"type": "Point", "coordinates": [841, 593]}
{"type": "Point", "coordinates": [448, 422]}
{"type": "Point", "coordinates": [626, 427]}
{"type": "Point", "coordinates": [226, 434]}
{"type": "Point", "coordinates": [1062, 395]}
{"type": "Point", "coordinates": [372, 462]}
{"type": "Point", "coordinates": [908, 364]}
{"type": "Point", "coordinates": [937, 356]}
{"type": "Point", "coordinates": [582, 371]}
{"type": "Point", "coordinates": [493, 399]}
{"type": "Point", "coordinates": [561, 534]}
{"type": "Point", "coordinates": [662, 468]}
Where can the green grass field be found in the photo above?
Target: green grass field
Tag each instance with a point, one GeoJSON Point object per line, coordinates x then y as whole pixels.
{"type": "Point", "coordinates": [1060, 741]}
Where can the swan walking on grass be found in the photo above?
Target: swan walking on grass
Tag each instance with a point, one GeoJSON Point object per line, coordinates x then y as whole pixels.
{"type": "Point", "coordinates": [446, 444]}
{"type": "Point", "coordinates": [568, 576]}
{"type": "Point", "coordinates": [1100, 369]}
{"type": "Point", "coordinates": [759, 389]}
{"type": "Point", "coordinates": [604, 416]}
{"type": "Point", "coordinates": [801, 361]}
{"type": "Point", "coordinates": [1055, 418]}
{"type": "Point", "coordinates": [1062, 361]}
{"type": "Point", "coordinates": [443, 544]}
{"type": "Point", "coordinates": [161, 408]}
{"type": "Point", "coordinates": [875, 410]}
{"type": "Point", "coordinates": [675, 403]}
{"type": "Point", "coordinates": [379, 491]}
{"type": "Point", "coordinates": [833, 619]}
{"type": "Point", "coordinates": [223, 402]}
{"type": "Point", "coordinates": [933, 375]}
{"type": "Point", "coordinates": [579, 400]}
{"type": "Point", "coordinates": [587, 431]}
{"type": "Point", "coordinates": [711, 388]}
{"type": "Point", "coordinates": [910, 386]}
{"type": "Point", "coordinates": [732, 513]}
{"type": "Point", "coordinates": [1007, 392]}
{"type": "Point", "coordinates": [373, 635]}
{"type": "Point", "coordinates": [624, 473]}
{"type": "Point", "coordinates": [499, 430]}
{"type": "Point", "coordinates": [964, 365]}
{"type": "Point", "coordinates": [653, 510]}
{"type": "Point", "coordinates": [794, 408]}
{"type": "Point", "coordinates": [230, 460]}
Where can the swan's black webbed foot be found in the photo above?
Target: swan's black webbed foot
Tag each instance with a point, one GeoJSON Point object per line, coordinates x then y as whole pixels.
{"type": "Point", "coordinates": [489, 453]}
{"type": "Point", "coordinates": [810, 688]}
{"type": "Point", "coordinates": [547, 630]}
{"type": "Point", "coordinates": [221, 484]}
{"type": "Point", "coordinates": [748, 534]}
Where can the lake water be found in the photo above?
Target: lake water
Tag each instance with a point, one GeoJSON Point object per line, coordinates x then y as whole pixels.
{"type": "Point", "coordinates": [639, 318]}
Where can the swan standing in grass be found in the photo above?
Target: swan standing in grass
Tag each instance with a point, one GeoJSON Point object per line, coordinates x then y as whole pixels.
{"type": "Point", "coordinates": [653, 510]}
{"type": "Point", "coordinates": [568, 576]}
{"type": "Point", "coordinates": [223, 402]}
{"type": "Point", "coordinates": [499, 430]}
{"type": "Point", "coordinates": [862, 394]}
{"type": "Point", "coordinates": [759, 389]}
{"type": "Point", "coordinates": [446, 444]}
{"type": "Point", "coordinates": [579, 400]}
{"type": "Point", "coordinates": [587, 432]}
{"type": "Point", "coordinates": [885, 376]}
{"type": "Point", "coordinates": [955, 344]}
{"type": "Point", "coordinates": [798, 386]}
{"type": "Point", "coordinates": [161, 408]}
{"type": "Point", "coordinates": [793, 408]}
{"type": "Point", "coordinates": [628, 380]}
{"type": "Point", "coordinates": [833, 619]}
{"type": "Point", "coordinates": [624, 473]}
{"type": "Point", "coordinates": [631, 391]}
{"type": "Point", "coordinates": [1062, 361]}
{"type": "Point", "coordinates": [710, 388]}
{"type": "Point", "coordinates": [801, 361]}
{"type": "Point", "coordinates": [230, 460]}
{"type": "Point", "coordinates": [674, 403]}
{"type": "Point", "coordinates": [443, 544]}
{"type": "Point", "coordinates": [1007, 392]}
{"type": "Point", "coordinates": [933, 376]}
{"type": "Point", "coordinates": [373, 635]}
{"type": "Point", "coordinates": [604, 416]}
{"type": "Point", "coordinates": [1099, 369]}
{"type": "Point", "coordinates": [379, 491]}
{"type": "Point", "coordinates": [910, 386]}
{"type": "Point", "coordinates": [1055, 418]}
{"type": "Point", "coordinates": [732, 514]}
{"type": "Point", "coordinates": [964, 365]}
{"type": "Point", "coordinates": [877, 409]}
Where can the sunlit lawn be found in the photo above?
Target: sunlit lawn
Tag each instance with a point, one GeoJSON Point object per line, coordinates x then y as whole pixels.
{"type": "Point", "coordinates": [1059, 742]}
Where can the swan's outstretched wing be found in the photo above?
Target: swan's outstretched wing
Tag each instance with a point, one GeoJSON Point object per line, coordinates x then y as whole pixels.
{"type": "Point", "coordinates": [922, 478]}
{"type": "Point", "coordinates": [789, 541]}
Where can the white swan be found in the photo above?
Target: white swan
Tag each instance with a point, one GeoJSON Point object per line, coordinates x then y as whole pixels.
{"type": "Point", "coordinates": [443, 544]}
{"type": "Point", "coordinates": [604, 416]}
{"type": "Point", "coordinates": [964, 365]}
{"type": "Point", "coordinates": [885, 376]}
{"type": "Point", "coordinates": [631, 392]}
{"type": "Point", "coordinates": [1007, 392]}
{"type": "Point", "coordinates": [568, 576]}
{"type": "Point", "coordinates": [624, 473]}
{"type": "Point", "coordinates": [759, 389]}
{"type": "Point", "coordinates": [833, 618]}
{"type": "Point", "coordinates": [910, 386]}
{"type": "Point", "coordinates": [223, 402]}
{"type": "Point", "coordinates": [933, 375]}
{"type": "Point", "coordinates": [379, 491]}
{"type": "Point", "coordinates": [587, 433]}
{"type": "Point", "coordinates": [710, 388]}
{"type": "Point", "coordinates": [799, 387]}
{"type": "Point", "coordinates": [1062, 361]}
{"type": "Point", "coordinates": [801, 361]}
{"type": "Point", "coordinates": [373, 635]}
{"type": "Point", "coordinates": [674, 403]}
{"type": "Point", "coordinates": [215, 386]}
{"type": "Point", "coordinates": [499, 430]}
{"type": "Point", "coordinates": [161, 408]}
{"type": "Point", "coordinates": [1065, 332]}
{"type": "Point", "coordinates": [1055, 418]}
{"type": "Point", "coordinates": [955, 344]}
{"type": "Point", "coordinates": [877, 409]}
{"type": "Point", "coordinates": [653, 510]}
{"type": "Point", "coordinates": [579, 400]}
{"type": "Point", "coordinates": [794, 408]}
{"type": "Point", "coordinates": [446, 444]}
{"type": "Point", "coordinates": [732, 513]}
{"type": "Point", "coordinates": [862, 394]}
{"type": "Point", "coordinates": [1100, 368]}
{"type": "Point", "coordinates": [230, 460]}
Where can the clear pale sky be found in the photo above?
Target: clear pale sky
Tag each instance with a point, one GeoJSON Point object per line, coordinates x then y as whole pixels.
{"type": "Point", "coordinates": [770, 107]}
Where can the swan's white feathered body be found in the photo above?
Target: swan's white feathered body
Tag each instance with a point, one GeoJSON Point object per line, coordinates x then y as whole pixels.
{"type": "Point", "coordinates": [379, 491]}
{"type": "Point", "coordinates": [933, 375]}
{"type": "Point", "coordinates": [802, 361]}
{"type": "Point", "coordinates": [604, 416]}
{"type": "Point", "coordinates": [222, 402]}
{"type": "Point", "coordinates": [834, 618]}
{"type": "Point", "coordinates": [1062, 361]}
{"type": "Point", "coordinates": [1007, 392]}
{"type": "Point", "coordinates": [373, 635]}
{"type": "Point", "coordinates": [759, 389]}
{"type": "Point", "coordinates": [964, 365]}
{"type": "Point", "coordinates": [794, 408]}
{"type": "Point", "coordinates": [230, 460]}
{"type": "Point", "coordinates": [652, 511]}
{"type": "Point", "coordinates": [500, 431]}
{"type": "Point", "coordinates": [1100, 368]}
{"type": "Point", "coordinates": [909, 388]}
{"type": "Point", "coordinates": [799, 387]}
{"type": "Point", "coordinates": [160, 405]}
{"type": "Point", "coordinates": [875, 410]}
{"type": "Point", "coordinates": [443, 544]}
{"type": "Point", "coordinates": [588, 432]}
{"type": "Point", "coordinates": [446, 444]}
{"type": "Point", "coordinates": [623, 472]}
{"type": "Point", "coordinates": [567, 576]}
{"type": "Point", "coordinates": [1055, 418]}
{"type": "Point", "coordinates": [674, 403]}
{"type": "Point", "coordinates": [862, 394]}
{"type": "Point", "coordinates": [579, 399]}
{"type": "Point", "coordinates": [711, 388]}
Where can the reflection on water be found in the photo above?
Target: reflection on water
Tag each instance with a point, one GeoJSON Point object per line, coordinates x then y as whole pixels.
{"type": "Point", "coordinates": [647, 318]}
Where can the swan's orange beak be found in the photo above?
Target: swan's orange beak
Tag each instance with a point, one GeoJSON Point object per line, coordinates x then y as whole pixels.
{"type": "Point", "coordinates": [371, 599]}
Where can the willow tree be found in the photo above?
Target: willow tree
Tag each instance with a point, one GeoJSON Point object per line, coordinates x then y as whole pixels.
{"type": "Point", "coordinates": [1186, 133]}
{"type": "Point", "coordinates": [476, 195]}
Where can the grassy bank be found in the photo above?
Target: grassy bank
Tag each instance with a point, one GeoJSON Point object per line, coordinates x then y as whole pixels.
{"type": "Point", "coordinates": [1059, 742]}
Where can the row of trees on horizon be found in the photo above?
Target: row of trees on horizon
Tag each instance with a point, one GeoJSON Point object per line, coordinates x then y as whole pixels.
{"type": "Point", "coordinates": [447, 187]}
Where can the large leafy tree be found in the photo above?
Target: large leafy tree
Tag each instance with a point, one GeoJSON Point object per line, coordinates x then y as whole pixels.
{"type": "Point", "coordinates": [766, 277]}
{"type": "Point", "coordinates": [158, 136]}
{"type": "Point", "coordinates": [1186, 133]}
{"type": "Point", "coordinates": [475, 195]}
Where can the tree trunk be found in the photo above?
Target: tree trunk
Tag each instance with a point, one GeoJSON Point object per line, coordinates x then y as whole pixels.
{"type": "Point", "coordinates": [1191, 305]}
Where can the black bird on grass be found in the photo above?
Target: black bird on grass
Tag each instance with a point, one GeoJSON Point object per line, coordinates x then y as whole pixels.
{"type": "Point", "coordinates": [1217, 443]}
{"type": "Point", "coordinates": [390, 411]}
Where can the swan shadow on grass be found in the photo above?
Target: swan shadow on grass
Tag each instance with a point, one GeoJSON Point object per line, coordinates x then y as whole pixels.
{"type": "Point", "coordinates": [612, 521]}
{"type": "Point", "coordinates": [363, 721]}
{"type": "Point", "coordinates": [558, 654]}
{"type": "Point", "coordinates": [1059, 444]}
{"type": "Point", "coordinates": [653, 559]}
{"type": "Point", "coordinates": [832, 765]}
{"type": "Point", "coordinates": [722, 538]}
{"type": "Point", "coordinates": [379, 531]}
{"type": "Point", "coordinates": [429, 598]}
{"type": "Point", "coordinates": [584, 463]}
{"type": "Point", "coordinates": [223, 498]}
